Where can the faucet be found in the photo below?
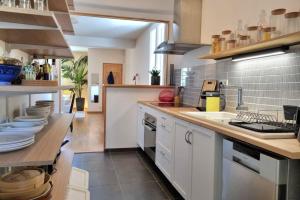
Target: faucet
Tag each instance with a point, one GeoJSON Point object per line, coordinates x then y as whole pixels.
{"type": "Point", "coordinates": [240, 103]}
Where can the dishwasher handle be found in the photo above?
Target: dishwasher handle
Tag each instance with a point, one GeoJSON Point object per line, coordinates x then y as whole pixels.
{"type": "Point", "coordinates": [244, 164]}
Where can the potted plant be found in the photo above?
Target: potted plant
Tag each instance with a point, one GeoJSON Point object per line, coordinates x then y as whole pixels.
{"type": "Point", "coordinates": [77, 72]}
{"type": "Point", "coordinates": [155, 78]}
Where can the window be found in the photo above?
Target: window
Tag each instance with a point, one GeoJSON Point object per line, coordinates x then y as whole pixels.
{"type": "Point", "coordinates": [157, 36]}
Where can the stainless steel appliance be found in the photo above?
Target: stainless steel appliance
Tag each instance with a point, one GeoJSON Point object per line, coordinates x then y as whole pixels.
{"type": "Point", "coordinates": [150, 135]}
{"type": "Point", "coordinates": [250, 174]}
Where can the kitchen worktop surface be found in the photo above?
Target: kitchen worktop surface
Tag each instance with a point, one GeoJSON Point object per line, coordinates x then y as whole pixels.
{"type": "Point", "coordinates": [136, 86]}
{"type": "Point", "coordinates": [289, 148]}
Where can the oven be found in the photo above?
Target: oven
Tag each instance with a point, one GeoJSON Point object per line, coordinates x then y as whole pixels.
{"type": "Point", "coordinates": [150, 135]}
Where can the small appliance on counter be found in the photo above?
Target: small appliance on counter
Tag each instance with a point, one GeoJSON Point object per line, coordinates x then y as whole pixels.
{"type": "Point", "coordinates": [166, 95]}
{"type": "Point", "coordinates": [211, 99]}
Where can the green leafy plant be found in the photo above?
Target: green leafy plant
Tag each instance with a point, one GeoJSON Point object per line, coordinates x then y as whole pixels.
{"type": "Point", "coordinates": [154, 72]}
{"type": "Point", "coordinates": [77, 72]}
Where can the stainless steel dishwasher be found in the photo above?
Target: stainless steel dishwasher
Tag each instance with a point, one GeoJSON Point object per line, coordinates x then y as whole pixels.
{"type": "Point", "coordinates": [249, 174]}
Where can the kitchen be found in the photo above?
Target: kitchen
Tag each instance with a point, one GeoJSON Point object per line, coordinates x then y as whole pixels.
{"type": "Point", "coordinates": [217, 118]}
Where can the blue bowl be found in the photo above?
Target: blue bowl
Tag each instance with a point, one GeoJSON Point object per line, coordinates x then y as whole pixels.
{"type": "Point", "coordinates": [8, 73]}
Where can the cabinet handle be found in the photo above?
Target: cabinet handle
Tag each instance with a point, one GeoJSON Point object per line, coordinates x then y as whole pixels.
{"type": "Point", "coordinates": [189, 138]}
{"type": "Point", "coordinates": [185, 137]}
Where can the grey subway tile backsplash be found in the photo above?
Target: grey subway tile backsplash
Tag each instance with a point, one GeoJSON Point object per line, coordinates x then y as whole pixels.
{"type": "Point", "coordinates": [268, 83]}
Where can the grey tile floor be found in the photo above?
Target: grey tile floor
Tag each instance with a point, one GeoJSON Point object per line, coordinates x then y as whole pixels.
{"type": "Point", "coordinates": [124, 176]}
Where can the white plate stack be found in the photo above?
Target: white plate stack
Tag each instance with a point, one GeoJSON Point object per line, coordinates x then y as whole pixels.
{"type": "Point", "coordinates": [15, 142]}
{"type": "Point", "coordinates": [21, 128]}
{"type": "Point", "coordinates": [46, 103]}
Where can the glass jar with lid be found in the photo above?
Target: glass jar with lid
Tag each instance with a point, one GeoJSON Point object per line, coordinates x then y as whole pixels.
{"type": "Point", "coordinates": [277, 20]}
{"type": "Point", "coordinates": [267, 33]}
{"type": "Point", "coordinates": [292, 22]}
{"type": "Point", "coordinates": [215, 44]}
{"type": "Point", "coordinates": [244, 41]}
{"type": "Point", "coordinates": [253, 34]}
{"type": "Point", "coordinates": [231, 44]}
{"type": "Point", "coordinates": [222, 44]}
{"type": "Point", "coordinates": [226, 34]}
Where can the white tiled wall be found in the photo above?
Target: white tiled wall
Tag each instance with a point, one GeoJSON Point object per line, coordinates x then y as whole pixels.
{"type": "Point", "coordinates": [268, 83]}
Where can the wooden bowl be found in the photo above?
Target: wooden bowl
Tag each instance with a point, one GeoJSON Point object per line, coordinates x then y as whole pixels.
{"type": "Point", "coordinates": [28, 194]}
{"type": "Point", "coordinates": [22, 180]}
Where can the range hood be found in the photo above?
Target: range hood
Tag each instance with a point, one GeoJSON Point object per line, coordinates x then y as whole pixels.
{"type": "Point", "coordinates": [185, 30]}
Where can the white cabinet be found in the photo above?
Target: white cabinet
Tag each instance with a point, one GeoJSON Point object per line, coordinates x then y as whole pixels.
{"type": "Point", "coordinates": [182, 159]}
{"type": "Point", "coordinates": [197, 151]}
{"type": "Point", "coordinates": [140, 125]}
{"type": "Point", "coordinates": [206, 170]}
{"type": "Point", "coordinates": [164, 144]}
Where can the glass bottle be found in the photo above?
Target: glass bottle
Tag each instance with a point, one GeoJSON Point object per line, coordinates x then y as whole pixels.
{"type": "Point", "coordinates": [262, 23]}
{"type": "Point", "coordinates": [292, 22]}
{"type": "Point", "coordinates": [253, 34]}
{"type": "Point", "coordinates": [277, 20]}
{"type": "Point", "coordinates": [267, 33]}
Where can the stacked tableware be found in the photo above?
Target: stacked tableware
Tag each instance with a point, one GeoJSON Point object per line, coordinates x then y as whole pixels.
{"type": "Point", "coordinates": [25, 184]}
{"type": "Point", "coordinates": [43, 111]}
{"type": "Point", "coordinates": [12, 142]}
{"type": "Point", "coordinates": [21, 128]}
{"type": "Point", "coordinates": [35, 119]}
{"type": "Point", "coordinates": [46, 103]}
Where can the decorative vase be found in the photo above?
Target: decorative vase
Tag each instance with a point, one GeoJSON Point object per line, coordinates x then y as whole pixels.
{"type": "Point", "coordinates": [155, 80]}
{"type": "Point", "coordinates": [80, 104]}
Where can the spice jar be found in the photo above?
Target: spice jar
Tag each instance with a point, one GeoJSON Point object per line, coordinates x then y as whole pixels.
{"type": "Point", "coordinates": [231, 44]}
{"type": "Point", "coordinates": [267, 33]}
{"type": "Point", "coordinates": [277, 20]}
{"type": "Point", "coordinates": [253, 34]}
{"type": "Point", "coordinates": [292, 24]}
{"type": "Point", "coordinates": [215, 44]}
{"type": "Point", "coordinates": [244, 41]}
{"type": "Point", "coordinates": [226, 34]}
{"type": "Point", "coordinates": [222, 44]}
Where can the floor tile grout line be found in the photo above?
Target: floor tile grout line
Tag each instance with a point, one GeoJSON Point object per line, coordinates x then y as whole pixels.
{"type": "Point", "coordinates": [117, 176]}
{"type": "Point", "coordinates": [155, 178]}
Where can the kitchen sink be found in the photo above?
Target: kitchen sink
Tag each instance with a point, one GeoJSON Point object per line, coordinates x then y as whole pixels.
{"type": "Point", "coordinates": [214, 116]}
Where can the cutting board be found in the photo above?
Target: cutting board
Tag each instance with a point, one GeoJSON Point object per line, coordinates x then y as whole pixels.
{"type": "Point", "coordinates": [209, 86]}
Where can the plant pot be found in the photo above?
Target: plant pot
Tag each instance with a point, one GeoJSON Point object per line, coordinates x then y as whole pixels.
{"type": "Point", "coordinates": [80, 104]}
{"type": "Point", "coordinates": [155, 80]}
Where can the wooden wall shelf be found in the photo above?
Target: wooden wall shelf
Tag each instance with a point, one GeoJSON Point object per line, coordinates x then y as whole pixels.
{"type": "Point", "coordinates": [20, 89]}
{"type": "Point", "coordinates": [46, 146]}
{"type": "Point", "coordinates": [286, 40]}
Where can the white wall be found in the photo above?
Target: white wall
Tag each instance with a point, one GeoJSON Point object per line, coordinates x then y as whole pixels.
{"type": "Point", "coordinates": [97, 57]}
{"type": "Point", "coordinates": [138, 59]}
{"type": "Point", "coordinates": [219, 15]}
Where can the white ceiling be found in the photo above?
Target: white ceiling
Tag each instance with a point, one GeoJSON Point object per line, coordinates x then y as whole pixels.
{"type": "Point", "coordinates": [108, 28]}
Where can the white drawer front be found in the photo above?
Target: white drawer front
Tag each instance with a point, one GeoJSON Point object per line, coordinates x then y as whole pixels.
{"type": "Point", "coordinates": [166, 122]}
{"type": "Point", "coordinates": [163, 160]}
{"type": "Point", "coordinates": [165, 138]}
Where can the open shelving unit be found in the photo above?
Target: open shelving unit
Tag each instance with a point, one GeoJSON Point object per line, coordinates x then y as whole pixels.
{"type": "Point", "coordinates": [286, 40]}
{"type": "Point", "coordinates": [39, 33]}
{"type": "Point", "coordinates": [47, 145]}
{"type": "Point", "coordinates": [20, 89]}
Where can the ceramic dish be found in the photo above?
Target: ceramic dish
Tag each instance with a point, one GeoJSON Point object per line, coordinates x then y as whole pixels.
{"type": "Point", "coordinates": [10, 146]}
{"type": "Point", "coordinates": [15, 148]}
{"type": "Point", "coordinates": [12, 139]}
{"type": "Point", "coordinates": [12, 127]}
{"type": "Point", "coordinates": [29, 118]}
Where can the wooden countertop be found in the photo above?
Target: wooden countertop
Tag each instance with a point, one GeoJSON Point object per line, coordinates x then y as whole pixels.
{"type": "Point", "coordinates": [46, 146]}
{"type": "Point", "coordinates": [289, 148]}
{"type": "Point", "coordinates": [138, 86]}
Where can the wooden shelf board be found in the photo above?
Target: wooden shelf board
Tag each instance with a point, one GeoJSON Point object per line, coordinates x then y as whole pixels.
{"type": "Point", "coordinates": [61, 178]}
{"type": "Point", "coordinates": [290, 39]}
{"type": "Point", "coordinates": [34, 37]}
{"type": "Point", "coordinates": [50, 53]}
{"type": "Point", "coordinates": [46, 146]}
{"type": "Point", "coordinates": [65, 22]}
{"type": "Point", "coordinates": [27, 16]}
{"type": "Point", "coordinates": [21, 89]}
{"type": "Point", "coordinates": [58, 5]}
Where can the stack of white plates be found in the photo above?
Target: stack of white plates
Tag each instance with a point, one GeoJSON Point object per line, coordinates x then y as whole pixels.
{"type": "Point", "coordinates": [21, 128]}
{"type": "Point", "coordinates": [38, 111]}
{"type": "Point", "coordinates": [14, 142]}
{"type": "Point", "coordinates": [46, 103]}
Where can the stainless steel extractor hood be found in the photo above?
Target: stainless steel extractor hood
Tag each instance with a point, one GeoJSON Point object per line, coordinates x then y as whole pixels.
{"type": "Point", "coordinates": [185, 31]}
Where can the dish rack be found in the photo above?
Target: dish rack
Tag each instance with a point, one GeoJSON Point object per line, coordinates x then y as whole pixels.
{"type": "Point", "coordinates": [264, 118]}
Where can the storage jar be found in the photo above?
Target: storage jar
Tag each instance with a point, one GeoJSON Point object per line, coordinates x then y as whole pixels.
{"type": "Point", "coordinates": [215, 44]}
{"type": "Point", "coordinates": [244, 41]}
{"type": "Point", "coordinates": [222, 44]}
{"type": "Point", "coordinates": [267, 33]}
{"type": "Point", "coordinates": [231, 44]}
{"type": "Point", "coordinates": [292, 22]}
{"type": "Point", "coordinates": [277, 20]}
{"type": "Point", "coordinates": [253, 34]}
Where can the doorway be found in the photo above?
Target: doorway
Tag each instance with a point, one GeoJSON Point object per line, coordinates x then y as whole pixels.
{"type": "Point", "coordinates": [117, 71]}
